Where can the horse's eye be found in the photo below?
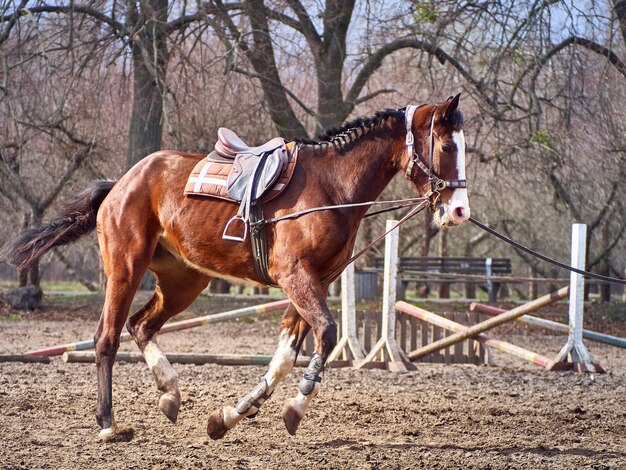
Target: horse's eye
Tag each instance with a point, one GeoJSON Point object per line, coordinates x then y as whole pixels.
{"type": "Point", "coordinates": [446, 148]}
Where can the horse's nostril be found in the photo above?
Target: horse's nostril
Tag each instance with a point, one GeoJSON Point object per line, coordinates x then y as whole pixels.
{"type": "Point", "coordinates": [459, 213]}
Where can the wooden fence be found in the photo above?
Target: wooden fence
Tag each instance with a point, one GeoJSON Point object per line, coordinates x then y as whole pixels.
{"type": "Point", "coordinates": [412, 333]}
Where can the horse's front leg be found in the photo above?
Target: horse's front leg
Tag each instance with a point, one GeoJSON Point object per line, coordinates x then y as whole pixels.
{"type": "Point", "coordinates": [311, 304]}
{"type": "Point", "coordinates": [292, 333]}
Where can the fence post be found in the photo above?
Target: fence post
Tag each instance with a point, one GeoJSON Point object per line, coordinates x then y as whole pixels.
{"type": "Point", "coordinates": [349, 342]}
{"type": "Point", "coordinates": [574, 354]}
{"type": "Point", "coordinates": [532, 288]}
{"type": "Point", "coordinates": [387, 345]}
{"type": "Point", "coordinates": [490, 291]}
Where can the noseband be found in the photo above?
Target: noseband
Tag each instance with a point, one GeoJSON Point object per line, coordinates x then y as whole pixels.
{"type": "Point", "coordinates": [436, 184]}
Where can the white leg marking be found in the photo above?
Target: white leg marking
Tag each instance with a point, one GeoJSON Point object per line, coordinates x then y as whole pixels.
{"type": "Point", "coordinates": [161, 369]}
{"type": "Point", "coordinates": [231, 417]}
{"type": "Point", "coordinates": [282, 362]}
{"type": "Point", "coordinates": [301, 402]}
{"type": "Point", "coordinates": [109, 432]}
{"type": "Point", "coordinates": [279, 367]}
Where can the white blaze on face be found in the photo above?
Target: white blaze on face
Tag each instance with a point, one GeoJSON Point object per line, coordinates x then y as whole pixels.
{"type": "Point", "coordinates": [458, 207]}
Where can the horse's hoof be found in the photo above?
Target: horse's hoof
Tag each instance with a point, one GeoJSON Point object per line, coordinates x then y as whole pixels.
{"type": "Point", "coordinates": [107, 434]}
{"type": "Point", "coordinates": [117, 434]}
{"type": "Point", "coordinates": [292, 418]}
{"type": "Point", "coordinates": [169, 405]}
{"type": "Point", "coordinates": [215, 428]}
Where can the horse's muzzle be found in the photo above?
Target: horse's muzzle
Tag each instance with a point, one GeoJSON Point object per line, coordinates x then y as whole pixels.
{"type": "Point", "coordinates": [450, 215]}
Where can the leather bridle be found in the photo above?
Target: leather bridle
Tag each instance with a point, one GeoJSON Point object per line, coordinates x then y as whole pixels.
{"type": "Point", "coordinates": [437, 184]}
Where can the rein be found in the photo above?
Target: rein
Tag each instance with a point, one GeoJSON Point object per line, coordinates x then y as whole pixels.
{"type": "Point", "coordinates": [519, 246]}
{"type": "Point", "coordinates": [401, 203]}
{"type": "Point", "coordinates": [261, 252]}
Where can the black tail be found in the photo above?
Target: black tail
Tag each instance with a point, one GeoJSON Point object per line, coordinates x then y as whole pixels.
{"type": "Point", "coordinates": [77, 218]}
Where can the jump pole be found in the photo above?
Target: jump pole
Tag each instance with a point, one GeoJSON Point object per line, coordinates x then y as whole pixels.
{"type": "Point", "coordinates": [574, 355]}
{"type": "Point", "coordinates": [387, 345]}
{"type": "Point", "coordinates": [503, 346]}
{"type": "Point", "coordinates": [505, 317]}
{"type": "Point", "coordinates": [184, 358]}
{"type": "Point", "coordinates": [551, 325]}
{"type": "Point", "coordinates": [169, 327]}
{"type": "Point", "coordinates": [348, 346]}
{"type": "Point", "coordinates": [23, 358]}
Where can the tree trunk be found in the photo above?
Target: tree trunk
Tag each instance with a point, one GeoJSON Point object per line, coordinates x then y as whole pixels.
{"type": "Point", "coordinates": [22, 274]}
{"type": "Point", "coordinates": [331, 109]}
{"type": "Point", "coordinates": [604, 267]}
{"type": "Point", "coordinates": [219, 286]}
{"type": "Point", "coordinates": [262, 59]}
{"type": "Point", "coordinates": [31, 275]}
{"type": "Point", "coordinates": [149, 57]}
{"type": "Point", "coordinates": [620, 12]}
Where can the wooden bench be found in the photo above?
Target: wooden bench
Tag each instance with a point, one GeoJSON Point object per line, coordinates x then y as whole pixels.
{"type": "Point", "coordinates": [426, 270]}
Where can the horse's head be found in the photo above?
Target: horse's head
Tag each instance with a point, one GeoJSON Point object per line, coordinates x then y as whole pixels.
{"type": "Point", "coordinates": [435, 160]}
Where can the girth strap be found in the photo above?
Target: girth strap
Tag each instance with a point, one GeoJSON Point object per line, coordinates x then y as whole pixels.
{"type": "Point", "coordinates": [259, 244]}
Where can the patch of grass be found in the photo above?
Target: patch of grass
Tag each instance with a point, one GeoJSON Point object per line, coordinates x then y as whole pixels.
{"type": "Point", "coordinates": [15, 317]}
{"type": "Point", "coordinates": [63, 286]}
{"type": "Point", "coordinates": [71, 302]}
{"type": "Point", "coordinates": [49, 286]}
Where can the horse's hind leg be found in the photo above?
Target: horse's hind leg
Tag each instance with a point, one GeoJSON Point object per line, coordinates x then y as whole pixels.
{"type": "Point", "coordinates": [123, 277]}
{"type": "Point", "coordinates": [177, 287]}
{"type": "Point", "coordinates": [292, 333]}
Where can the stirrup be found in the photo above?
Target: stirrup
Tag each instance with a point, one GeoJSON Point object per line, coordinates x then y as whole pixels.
{"type": "Point", "coordinates": [234, 238]}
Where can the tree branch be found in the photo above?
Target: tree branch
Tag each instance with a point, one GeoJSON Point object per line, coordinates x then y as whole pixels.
{"type": "Point", "coordinates": [75, 164]}
{"type": "Point", "coordinates": [376, 59]}
{"type": "Point", "coordinates": [71, 270]}
{"type": "Point", "coordinates": [572, 40]}
{"type": "Point", "coordinates": [84, 9]}
{"type": "Point", "coordinates": [307, 28]}
{"type": "Point", "coordinates": [204, 10]}
{"type": "Point", "coordinates": [298, 101]}
{"type": "Point", "coordinates": [11, 21]}
{"type": "Point", "coordinates": [374, 94]}
{"type": "Point", "coordinates": [610, 247]}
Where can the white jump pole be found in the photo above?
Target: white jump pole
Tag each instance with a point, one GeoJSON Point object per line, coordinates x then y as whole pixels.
{"type": "Point", "coordinates": [387, 346]}
{"type": "Point", "coordinates": [574, 354]}
{"type": "Point", "coordinates": [348, 345]}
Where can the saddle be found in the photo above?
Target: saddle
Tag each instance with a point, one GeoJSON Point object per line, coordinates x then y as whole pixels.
{"type": "Point", "coordinates": [254, 168]}
{"type": "Point", "coordinates": [237, 172]}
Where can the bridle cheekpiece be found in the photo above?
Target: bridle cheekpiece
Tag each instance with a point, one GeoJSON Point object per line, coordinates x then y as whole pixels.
{"type": "Point", "coordinates": [436, 184]}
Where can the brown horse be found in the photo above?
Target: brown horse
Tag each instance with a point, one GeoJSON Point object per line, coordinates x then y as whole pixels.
{"type": "Point", "coordinates": [144, 221]}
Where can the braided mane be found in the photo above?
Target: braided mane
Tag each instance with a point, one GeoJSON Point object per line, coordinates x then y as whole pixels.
{"type": "Point", "coordinates": [343, 137]}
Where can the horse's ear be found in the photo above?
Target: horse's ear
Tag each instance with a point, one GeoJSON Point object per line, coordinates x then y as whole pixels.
{"type": "Point", "coordinates": [450, 106]}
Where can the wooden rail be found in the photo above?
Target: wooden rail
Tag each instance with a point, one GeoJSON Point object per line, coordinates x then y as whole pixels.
{"type": "Point", "coordinates": [490, 323]}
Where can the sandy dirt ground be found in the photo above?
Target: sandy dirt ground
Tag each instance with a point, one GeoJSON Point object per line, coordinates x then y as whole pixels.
{"type": "Point", "coordinates": [512, 415]}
